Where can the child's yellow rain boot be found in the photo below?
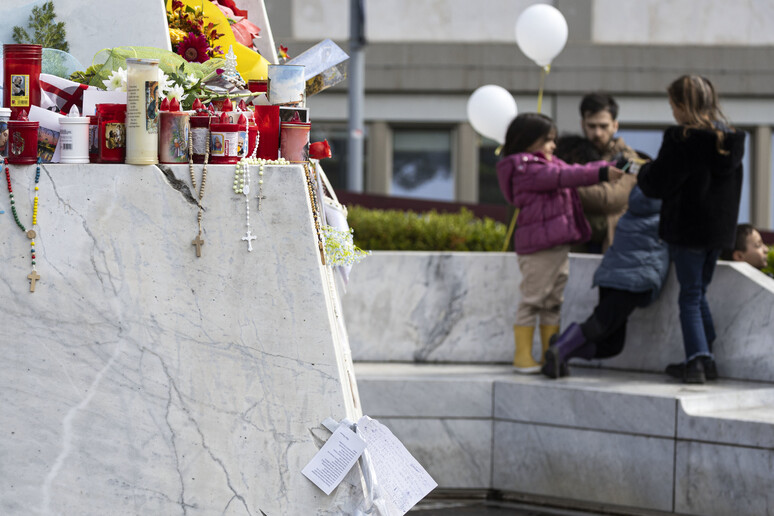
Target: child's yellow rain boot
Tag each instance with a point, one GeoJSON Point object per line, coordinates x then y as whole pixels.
{"type": "Point", "coordinates": [546, 332]}
{"type": "Point", "coordinates": [523, 362]}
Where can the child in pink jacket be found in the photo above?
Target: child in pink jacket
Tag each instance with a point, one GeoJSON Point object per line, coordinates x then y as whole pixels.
{"type": "Point", "coordinates": [550, 219]}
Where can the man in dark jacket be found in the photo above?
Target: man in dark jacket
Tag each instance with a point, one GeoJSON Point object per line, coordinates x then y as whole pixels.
{"type": "Point", "coordinates": [603, 204]}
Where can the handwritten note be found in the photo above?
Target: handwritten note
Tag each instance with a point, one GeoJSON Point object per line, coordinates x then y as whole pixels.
{"type": "Point", "coordinates": [403, 480]}
{"type": "Point", "coordinates": [334, 460]}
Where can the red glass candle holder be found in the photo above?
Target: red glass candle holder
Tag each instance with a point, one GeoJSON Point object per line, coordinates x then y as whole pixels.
{"type": "Point", "coordinates": [21, 89]}
{"type": "Point", "coordinates": [268, 121]}
{"type": "Point", "coordinates": [111, 132]}
{"type": "Point", "coordinates": [224, 143]}
{"type": "Point", "coordinates": [22, 142]}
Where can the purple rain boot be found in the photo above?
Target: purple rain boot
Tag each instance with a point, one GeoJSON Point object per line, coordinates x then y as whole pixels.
{"type": "Point", "coordinates": [571, 343]}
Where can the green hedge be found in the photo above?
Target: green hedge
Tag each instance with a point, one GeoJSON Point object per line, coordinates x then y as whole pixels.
{"type": "Point", "coordinates": [394, 230]}
{"type": "Point", "coordinates": [770, 267]}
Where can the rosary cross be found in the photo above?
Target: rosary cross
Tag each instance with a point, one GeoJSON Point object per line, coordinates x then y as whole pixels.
{"type": "Point", "coordinates": [33, 277]}
{"type": "Point", "coordinates": [198, 242]}
{"type": "Point", "coordinates": [249, 237]}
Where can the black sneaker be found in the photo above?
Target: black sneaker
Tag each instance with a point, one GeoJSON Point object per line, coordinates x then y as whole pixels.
{"type": "Point", "coordinates": [691, 372]}
{"type": "Point", "coordinates": [710, 368]}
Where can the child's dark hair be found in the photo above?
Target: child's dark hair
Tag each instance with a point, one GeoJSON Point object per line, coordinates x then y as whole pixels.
{"type": "Point", "coordinates": [740, 243]}
{"type": "Point", "coordinates": [576, 149]}
{"type": "Point", "coordinates": [595, 102]}
{"type": "Point", "coordinates": [525, 130]}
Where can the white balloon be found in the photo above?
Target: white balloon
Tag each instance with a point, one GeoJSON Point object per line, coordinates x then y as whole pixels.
{"type": "Point", "coordinates": [541, 33]}
{"type": "Point", "coordinates": [490, 110]}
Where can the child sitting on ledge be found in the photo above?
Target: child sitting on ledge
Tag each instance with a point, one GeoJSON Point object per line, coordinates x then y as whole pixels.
{"type": "Point", "coordinates": [749, 247]}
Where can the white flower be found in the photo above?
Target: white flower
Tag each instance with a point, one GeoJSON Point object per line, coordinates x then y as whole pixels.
{"type": "Point", "coordinates": [191, 80]}
{"type": "Point", "coordinates": [164, 82]}
{"type": "Point", "coordinates": [116, 81]}
{"type": "Point", "coordinates": [176, 92]}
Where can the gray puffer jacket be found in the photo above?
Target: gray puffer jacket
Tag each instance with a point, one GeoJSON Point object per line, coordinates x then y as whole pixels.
{"type": "Point", "coordinates": [638, 260]}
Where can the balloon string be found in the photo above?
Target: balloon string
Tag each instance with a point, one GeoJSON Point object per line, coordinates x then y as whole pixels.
{"type": "Point", "coordinates": [546, 69]}
{"type": "Point", "coordinates": [511, 227]}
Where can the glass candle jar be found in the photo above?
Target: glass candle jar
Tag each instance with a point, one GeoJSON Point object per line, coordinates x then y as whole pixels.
{"type": "Point", "coordinates": [22, 142]}
{"type": "Point", "coordinates": [111, 133]}
{"type": "Point", "coordinates": [224, 141]}
{"type": "Point", "coordinates": [200, 131]}
{"type": "Point", "coordinates": [173, 137]}
{"type": "Point", "coordinates": [294, 141]}
{"type": "Point", "coordinates": [21, 88]}
{"type": "Point", "coordinates": [142, 111]}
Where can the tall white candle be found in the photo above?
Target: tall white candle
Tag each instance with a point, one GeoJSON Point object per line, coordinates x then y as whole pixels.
{"type": "Point", "coordinates": [142, 111]}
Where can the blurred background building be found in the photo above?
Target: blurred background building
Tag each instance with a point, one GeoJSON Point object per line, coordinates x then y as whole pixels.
{"type": "Point", "coordinates": [424, 58]}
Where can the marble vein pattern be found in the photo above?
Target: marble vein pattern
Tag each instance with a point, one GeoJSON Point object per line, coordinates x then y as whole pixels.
{"type": "Point", "coordinates": [741, 486]}
{"type": "Point", "coordinates": [140, 379]}
{"type": "Point", "coordinates": [616, 469]}
{"type": "Point", "coordinates": [460, 307]}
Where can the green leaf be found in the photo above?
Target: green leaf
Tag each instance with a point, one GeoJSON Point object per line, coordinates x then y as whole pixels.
{"type": "Point", "coordinates": [45, 31]}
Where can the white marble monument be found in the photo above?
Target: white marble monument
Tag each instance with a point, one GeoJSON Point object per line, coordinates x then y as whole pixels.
{"type": "Point", "coordinates": [140, 379]}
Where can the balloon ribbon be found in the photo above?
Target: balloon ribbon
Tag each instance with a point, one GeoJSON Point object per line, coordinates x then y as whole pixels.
{"type": "Point", "coordinates": [545, 71]}
{"type": "Point", "coordinates": [511, 227]}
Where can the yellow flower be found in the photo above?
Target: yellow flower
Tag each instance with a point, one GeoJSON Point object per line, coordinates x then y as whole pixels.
{"type": "Point", "coordinates": [176, 35]}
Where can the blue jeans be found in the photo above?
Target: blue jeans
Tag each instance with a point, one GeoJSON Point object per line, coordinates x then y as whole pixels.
{"type": "Point", "coordinates": [694, 268]}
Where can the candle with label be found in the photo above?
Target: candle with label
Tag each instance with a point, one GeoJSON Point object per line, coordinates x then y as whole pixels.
{"type": "Point", "coordinates": [21, 88]}
{"type": "Point", "coordinates": [142, 111]}
{"type": "Point", "coordinates": [173, 134]}
{"type": "Point", "coordinates": [74, 137]}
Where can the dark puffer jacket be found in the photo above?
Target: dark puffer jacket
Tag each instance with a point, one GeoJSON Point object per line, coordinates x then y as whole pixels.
{"type": "Point", "coordinates": [700, 187]}
{"type": "Point", "coordinates": [638, 260]}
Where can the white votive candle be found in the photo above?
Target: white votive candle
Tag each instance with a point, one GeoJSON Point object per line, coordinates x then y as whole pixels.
{"type": "Point", "coordinates": [142, 111]}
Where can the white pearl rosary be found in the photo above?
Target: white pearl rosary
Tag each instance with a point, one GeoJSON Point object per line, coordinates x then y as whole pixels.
{"type": "Point", "coordinates": [242, 185]}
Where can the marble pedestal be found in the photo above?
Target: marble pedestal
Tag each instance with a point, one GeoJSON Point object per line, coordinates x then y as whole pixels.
{"type": "Point", "coordinates": [140, 379]}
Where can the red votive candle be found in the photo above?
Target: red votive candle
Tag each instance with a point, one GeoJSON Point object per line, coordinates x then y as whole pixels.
{"type": "Point", "coordinates": [22, 140]}
{"type": "Point", "coordinates": [21, 89]}
{"type": "Point", "coordinates": [111, 132]}
{"type": "Point", "coordinates": [224, 141]}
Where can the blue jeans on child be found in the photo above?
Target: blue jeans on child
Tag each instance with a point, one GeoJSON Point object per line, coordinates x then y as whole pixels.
{"type": "Point", "coordinates": [694, 268]}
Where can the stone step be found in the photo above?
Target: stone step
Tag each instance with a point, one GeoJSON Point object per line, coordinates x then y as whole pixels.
{"type": "Point", "coordinates": [615, 438]}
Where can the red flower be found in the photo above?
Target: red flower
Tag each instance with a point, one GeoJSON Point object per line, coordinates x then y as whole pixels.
{"type": "Point", "coordinates": [283, 52]}
{"type": "Point", "coordinates": [320, 150]}
{"type": "Point", "coordinates": [194, 48]}
{"type": "Point", "coordinates": [176, 4]}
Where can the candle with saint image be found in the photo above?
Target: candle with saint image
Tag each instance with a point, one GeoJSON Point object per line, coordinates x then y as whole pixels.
{"type": "Point", "coordinates": [142, 111]}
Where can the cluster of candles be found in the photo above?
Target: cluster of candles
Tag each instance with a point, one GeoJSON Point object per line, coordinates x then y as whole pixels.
{"type": "Point", "coordinates": [147, 129]}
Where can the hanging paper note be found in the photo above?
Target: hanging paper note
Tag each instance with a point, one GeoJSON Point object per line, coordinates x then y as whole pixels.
{"type": "Point", "coordinates": [334, 460]}
{"type": "Point", "coordinates": [401, 478]}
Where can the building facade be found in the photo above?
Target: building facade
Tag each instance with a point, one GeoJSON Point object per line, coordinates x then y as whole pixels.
{"type": "Point", "coordinates": [424, 58]}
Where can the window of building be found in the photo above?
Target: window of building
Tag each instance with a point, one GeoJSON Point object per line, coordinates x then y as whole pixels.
{"type": "Point", "coordinates": [335, 167]}
{"type": "Point", "coordinates": [488, 187]}
{"type": "Point", "coordinates": [422, 164]}
{"type": "Point", "coordinates": [643, 140]}
{"type": "Point", "coordinates": [649, 142]}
